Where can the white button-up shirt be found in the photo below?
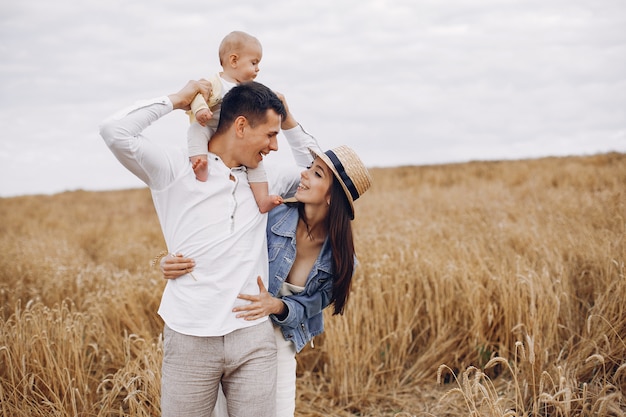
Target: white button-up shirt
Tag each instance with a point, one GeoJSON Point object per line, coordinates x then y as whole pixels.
{"type": "Point", "coordinates": [216, 222]}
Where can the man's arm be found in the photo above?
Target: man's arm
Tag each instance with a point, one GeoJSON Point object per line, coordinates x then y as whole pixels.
{"type": "Point", "coordinates": [284, 180]}
{"type": "Point", "coordinates": [151, 163]}
{"type": "Point", "coordinates": [183, 98]}
{"type": "Point", "coordinates": [299, 140]}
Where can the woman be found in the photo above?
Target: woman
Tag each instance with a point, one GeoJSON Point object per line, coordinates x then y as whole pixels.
{"type": "Point", "coordinates": [311, 259]}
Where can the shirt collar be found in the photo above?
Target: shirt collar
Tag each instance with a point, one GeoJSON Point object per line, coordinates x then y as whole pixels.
{"type": "Point", "coordinates": [218, 160]}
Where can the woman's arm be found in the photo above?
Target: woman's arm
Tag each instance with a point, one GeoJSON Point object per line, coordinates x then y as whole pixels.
{"type": "Point", "coordinates": [303, 306]}
{"type": "Point", "coordinates": [261, 305]}
{"type": "Point", "coordinates": [288, 311]}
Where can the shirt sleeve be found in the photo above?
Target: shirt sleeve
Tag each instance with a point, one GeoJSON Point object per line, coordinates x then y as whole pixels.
{"type": "Point", "coordinates": [283, 180]}
{"type": "Point", "coordinates": [154, 164]}
{"type": "Point", "coordinates": [300, 141]}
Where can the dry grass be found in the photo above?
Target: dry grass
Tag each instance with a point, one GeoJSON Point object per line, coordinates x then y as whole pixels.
{"type": "Point", "coordinates": [484, 289]}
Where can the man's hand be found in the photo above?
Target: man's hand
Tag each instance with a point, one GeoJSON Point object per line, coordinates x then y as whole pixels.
{"type": "Point", "coordinates": [182, 99]}
{"type": "Point", "coordinates": [176, 265]}
{"type": "Point", "coordinates": [289, 121]}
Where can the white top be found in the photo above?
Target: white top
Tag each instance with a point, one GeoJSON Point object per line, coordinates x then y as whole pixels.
{"type": "Point", "coordinates": [289, 289]}
{"type": "Point", "coordinates": [216, 222]}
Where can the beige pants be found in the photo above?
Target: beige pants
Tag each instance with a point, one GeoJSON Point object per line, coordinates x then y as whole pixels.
{"type": "Point", "coordinates": [244, 361]}
{"type": "Point", "coordinates": [285, 380]}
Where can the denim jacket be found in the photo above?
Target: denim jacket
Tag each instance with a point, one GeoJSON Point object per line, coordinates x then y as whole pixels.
{"type": "Point", "coordinates": [304, 318]}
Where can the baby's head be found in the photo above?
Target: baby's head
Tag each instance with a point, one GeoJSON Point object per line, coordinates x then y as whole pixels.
{"type": "Point", "coordinates": [240, 55]}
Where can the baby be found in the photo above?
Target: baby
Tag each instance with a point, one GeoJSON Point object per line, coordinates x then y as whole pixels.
{"type": "Point", "coordinates": [239, 55]}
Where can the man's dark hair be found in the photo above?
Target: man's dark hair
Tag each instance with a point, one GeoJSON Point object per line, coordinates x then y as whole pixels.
{"type": "Point", "coordinates": [251, 100]}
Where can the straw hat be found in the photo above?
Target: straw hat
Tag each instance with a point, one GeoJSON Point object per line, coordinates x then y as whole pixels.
{"type": "Point", "coordinates": [348, 169]}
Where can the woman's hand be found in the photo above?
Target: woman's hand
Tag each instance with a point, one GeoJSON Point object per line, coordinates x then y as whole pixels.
{"type": "Point", "coordinates": [260, 305]}
{"type": "Point", "coordinates": [174, 266]}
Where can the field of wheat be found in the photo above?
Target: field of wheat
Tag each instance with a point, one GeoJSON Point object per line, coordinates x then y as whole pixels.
{"type": "Point", "coordinates": [483, 289]}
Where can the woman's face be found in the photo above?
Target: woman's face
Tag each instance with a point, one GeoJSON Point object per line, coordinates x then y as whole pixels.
{"type": "Point", "coordinates": [315, 183]}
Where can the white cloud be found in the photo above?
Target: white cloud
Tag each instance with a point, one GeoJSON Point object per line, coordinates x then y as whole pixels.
{"type": "Point", "coordinates": [401, 81]}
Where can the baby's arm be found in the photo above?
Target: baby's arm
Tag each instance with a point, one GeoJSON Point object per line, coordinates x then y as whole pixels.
{"type": "Point", "coordinates": [200, 109]}
{"type": "Point", "coordinates": [203, 116]}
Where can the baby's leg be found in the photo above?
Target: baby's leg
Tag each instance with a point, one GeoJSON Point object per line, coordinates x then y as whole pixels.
{"type": "Point", "coordinates": [264, 200]}
{"type": "Point", "coordinates": [200, 167]}
{"type": "Point", "coordinates": [197, 146]}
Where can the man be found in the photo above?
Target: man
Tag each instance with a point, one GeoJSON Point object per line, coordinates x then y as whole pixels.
{"type": "Point", "coordinates": [218, 224]}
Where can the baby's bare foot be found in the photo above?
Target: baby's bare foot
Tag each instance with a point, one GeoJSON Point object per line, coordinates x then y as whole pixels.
{"type": "Point", "coordinates": [269, 202]}
{"type": "Point", "coordinates": [201, 169]}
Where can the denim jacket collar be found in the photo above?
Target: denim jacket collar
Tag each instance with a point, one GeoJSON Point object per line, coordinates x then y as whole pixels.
{"type": "Point", "coordinates": [286, 224]}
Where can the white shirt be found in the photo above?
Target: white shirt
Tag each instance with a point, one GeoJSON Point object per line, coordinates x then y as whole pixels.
{"type": "Point", "coordinates": [216, 222]}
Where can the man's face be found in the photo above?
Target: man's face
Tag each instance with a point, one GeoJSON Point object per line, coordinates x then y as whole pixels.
{"type": "Point", "coordinates": [260, 140]}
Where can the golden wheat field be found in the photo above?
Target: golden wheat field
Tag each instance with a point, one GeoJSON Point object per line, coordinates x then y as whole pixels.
{"type": "Point", "coordinates": [483, 289]}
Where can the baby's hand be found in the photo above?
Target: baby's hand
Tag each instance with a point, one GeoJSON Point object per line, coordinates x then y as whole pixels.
{"type": "Point", "coordinates": [203, 116]}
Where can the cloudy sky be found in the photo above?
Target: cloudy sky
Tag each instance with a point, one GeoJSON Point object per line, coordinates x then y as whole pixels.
{"type": "Point", "coordinates": [401, 81]}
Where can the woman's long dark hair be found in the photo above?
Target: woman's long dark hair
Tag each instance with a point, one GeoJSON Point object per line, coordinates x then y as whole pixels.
{"type": "Point", "coordinates": [339, 228]}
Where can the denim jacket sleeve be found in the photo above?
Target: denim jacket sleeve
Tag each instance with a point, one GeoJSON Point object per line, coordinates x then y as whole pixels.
{"type": "Point", "coordinates": [306, 304]}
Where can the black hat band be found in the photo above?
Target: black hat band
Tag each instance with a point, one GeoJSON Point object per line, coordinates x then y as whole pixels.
{"type": "Point", "coordinates": [342, 174]}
